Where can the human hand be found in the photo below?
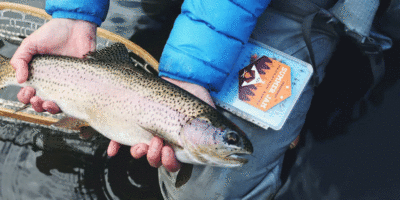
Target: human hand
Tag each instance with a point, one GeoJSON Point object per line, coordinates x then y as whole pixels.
{"type": "Point", "coordinates": [66, 37]}
{"type": "Point", "coordinates": [157, 153]}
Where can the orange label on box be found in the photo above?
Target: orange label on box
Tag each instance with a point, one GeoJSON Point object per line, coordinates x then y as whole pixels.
{"type": "Point", "coordinates": [264, 83]}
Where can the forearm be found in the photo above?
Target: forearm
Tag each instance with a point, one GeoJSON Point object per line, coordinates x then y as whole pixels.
{"type": "Point", "coordinates": [89, 10]}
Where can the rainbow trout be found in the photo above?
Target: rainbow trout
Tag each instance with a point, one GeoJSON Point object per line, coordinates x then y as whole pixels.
{"type": "Point", "coordinates": [130, 106]}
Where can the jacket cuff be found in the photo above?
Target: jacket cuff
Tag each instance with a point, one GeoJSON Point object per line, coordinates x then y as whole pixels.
{"type": "Point", "coordinates": [90, 10]}
{"type": "Point", "coordinates": [80, 16]}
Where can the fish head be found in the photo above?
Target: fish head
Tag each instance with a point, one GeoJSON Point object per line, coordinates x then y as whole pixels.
{"type": "Point", "coordinates": [212, 139]}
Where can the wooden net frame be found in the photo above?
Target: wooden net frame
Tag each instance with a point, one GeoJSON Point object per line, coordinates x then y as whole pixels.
{"type": "Point", "coordinates": [18, 21]}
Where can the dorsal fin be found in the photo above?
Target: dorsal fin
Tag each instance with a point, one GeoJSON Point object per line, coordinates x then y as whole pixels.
{"type": "Point", "coordinates": [114, 54]}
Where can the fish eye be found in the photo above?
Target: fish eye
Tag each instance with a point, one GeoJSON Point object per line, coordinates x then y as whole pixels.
{"type": "Point", "coordinates": [231, 137]}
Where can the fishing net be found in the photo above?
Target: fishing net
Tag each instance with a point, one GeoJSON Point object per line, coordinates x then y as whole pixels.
{"type": "Point", "coordinates": [16, 23]}
{"type": "Point", "coordinates": [67, 166]}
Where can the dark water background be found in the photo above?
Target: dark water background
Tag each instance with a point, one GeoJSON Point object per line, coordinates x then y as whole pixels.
{"type": "Point", "coordinates": [338, 157]}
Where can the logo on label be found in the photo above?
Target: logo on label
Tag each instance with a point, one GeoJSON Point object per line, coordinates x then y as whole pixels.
{"type": "Point", "coordinates": [264, 83]}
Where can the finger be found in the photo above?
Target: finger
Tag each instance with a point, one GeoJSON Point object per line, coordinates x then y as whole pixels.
{"type": "Point", "coordinates": [168, 159]}
{"type": "Point", "coordinates": [37, 103]}
{"type": "Point", "coordinates": [139, 150]}
{"type": "Point", "coordinates": [25, 94]}
{"type": "Point", "coordinates": [21, 71]}
{"type": "Point", "coordinates": [113, 148]}
{"type": "Point", "coordinates": [21, 58]}
{"type": "Point", "coordinates": [154, 153]}
{"type": "Point", "coordinates": [51, 107]}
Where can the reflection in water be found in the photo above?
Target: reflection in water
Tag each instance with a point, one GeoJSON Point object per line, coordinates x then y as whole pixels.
{"type": "Point", "coordinates": [62, 166]}
{"type": "Point", "coordinates": [21, 179]}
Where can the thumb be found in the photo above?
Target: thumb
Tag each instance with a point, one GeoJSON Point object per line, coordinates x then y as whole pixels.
{"type": "Point", "coordinates": [20, 60]}
{"type": "Point", "coordinates": [21, 69]}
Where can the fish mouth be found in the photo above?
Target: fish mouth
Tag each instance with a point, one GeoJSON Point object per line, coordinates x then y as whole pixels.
{"type": "Point", "coordinates": [237, 157]}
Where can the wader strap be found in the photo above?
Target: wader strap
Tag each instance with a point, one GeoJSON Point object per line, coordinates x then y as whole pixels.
{"type": "Point", "coordinates": [375, 55]}
{"type": "Point", "coordinates": [318, 21]}
{"type": "Point", "coordinates": [306, 29]}
{"type": "Point", "coordinates": [356, 18]}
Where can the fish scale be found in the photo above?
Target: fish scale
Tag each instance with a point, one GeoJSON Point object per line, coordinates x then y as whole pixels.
{"type": "Point", "coordinates": [130, 106]}
{"type": "Point", "coordinates": [109, 100]}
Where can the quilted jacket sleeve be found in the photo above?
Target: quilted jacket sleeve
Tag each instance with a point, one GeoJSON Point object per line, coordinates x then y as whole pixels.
{"type": "Point", "coordinates": [206, 39]}
{"type": "Point", "coordinates": [89, 10]}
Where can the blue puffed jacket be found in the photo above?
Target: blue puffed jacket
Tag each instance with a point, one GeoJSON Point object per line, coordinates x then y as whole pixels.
{"type": "Point", "coordinates": [205, 41]}
{"type": "Point", "coordinates": [89, 10]}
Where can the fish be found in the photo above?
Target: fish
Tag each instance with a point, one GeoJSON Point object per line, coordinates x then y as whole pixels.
{"type": "Point", "coordinates": [129, 105]}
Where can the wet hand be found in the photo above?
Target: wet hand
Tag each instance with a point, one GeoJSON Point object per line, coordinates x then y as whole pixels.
{"type": "Point", "coordinates": [27, 95]}
{"type": "Point", "coordinates": [157, 152]}
{"type": "Point", "coordinates": [65, 37]}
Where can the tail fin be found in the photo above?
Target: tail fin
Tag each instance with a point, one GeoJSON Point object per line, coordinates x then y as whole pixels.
{"type": "Point", "coordinates": [7, 72]}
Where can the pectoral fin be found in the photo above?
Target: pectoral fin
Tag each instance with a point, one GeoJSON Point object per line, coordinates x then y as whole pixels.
{"type": "Point", "coordinates": [70, 123]}
{"type": "Point", "coordinates": [22, 108]}
{"type": "Point", "coordinates": [184, 175]}
{"type": "Point", "coordinates": [87, 132]}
